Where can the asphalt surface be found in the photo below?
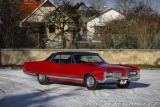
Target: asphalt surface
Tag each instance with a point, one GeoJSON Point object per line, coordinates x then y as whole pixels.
{"type": "Point", "coordinates": [20, 90]}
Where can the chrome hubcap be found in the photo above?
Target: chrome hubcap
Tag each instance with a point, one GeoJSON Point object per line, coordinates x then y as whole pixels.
{"type": "Point", "coordinates": [90, 81]}
{"type": "Point", "coordinates": [42, 77]}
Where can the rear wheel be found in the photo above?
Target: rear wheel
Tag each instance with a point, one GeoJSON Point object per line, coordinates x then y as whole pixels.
{"type": "Point", "coordinates": [91, 83]}
{"type": "Point", "coordinates": [42, 79]}
{"type": "Point", "coordinates": [123, 85]}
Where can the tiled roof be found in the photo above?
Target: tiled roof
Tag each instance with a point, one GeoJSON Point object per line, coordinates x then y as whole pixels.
{"type": "Point", "coordinates": [46, 1]}
{"type": "Point", "coordinates": [29, 7]}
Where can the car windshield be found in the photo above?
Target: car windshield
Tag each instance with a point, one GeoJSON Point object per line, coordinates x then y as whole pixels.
{"type": "Point", "coordinates": [88, 58]}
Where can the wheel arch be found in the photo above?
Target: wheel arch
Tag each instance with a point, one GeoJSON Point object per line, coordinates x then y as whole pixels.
{"type": "Point", "coordinates": [88, 73]}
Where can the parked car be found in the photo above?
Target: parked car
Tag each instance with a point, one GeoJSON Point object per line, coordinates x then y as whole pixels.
{"type": "Point", "coordinates": [81, 67]}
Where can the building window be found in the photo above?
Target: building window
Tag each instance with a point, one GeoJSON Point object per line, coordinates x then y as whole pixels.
{"type": "Point", "coordinates": [51, 28]}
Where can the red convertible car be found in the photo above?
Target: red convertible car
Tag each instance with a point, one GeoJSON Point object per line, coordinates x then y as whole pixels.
{"type": "Point", "coordinates": [81, 67]}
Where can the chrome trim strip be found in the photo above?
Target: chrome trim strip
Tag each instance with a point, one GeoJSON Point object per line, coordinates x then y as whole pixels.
{"type": "Point", "coordinates": [63, 77]}
{"type": "Point", "coordinates": [114, 80]}
{"type": "Point", "coordinates": [29, 73]}
{"type": "Point", "coordinates": [117, 76]}
{"type": "Point", "coordinates": [54, 76]}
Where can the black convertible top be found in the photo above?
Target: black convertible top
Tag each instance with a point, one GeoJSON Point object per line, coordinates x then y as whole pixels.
{"type": "Point", "coordinates": [75, 53]}
{"type": "Point", "coordinates": [71, 53]}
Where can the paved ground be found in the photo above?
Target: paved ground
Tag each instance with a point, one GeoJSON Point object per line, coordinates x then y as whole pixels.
{"type": "Point", "coordinates": [19, 90]}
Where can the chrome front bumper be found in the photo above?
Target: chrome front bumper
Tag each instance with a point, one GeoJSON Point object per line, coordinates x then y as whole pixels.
{"type": "Point", "coordinates": [118, 77]}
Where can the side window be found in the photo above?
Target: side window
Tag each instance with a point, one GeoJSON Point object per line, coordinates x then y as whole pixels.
{"type": "Point", "coordinates": [65, 59]}
{"type": "Point", "coordinates": [86, 58]}
{"type": "Point", "coordinates": [79, 58]}
{"type": "Point", "coordinates": [56, 59]}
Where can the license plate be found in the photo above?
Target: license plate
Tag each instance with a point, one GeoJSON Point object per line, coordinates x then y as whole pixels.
{"type": "Point", "coordinates": [123, 81]}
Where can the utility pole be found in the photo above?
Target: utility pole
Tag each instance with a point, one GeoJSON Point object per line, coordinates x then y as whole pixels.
{"type": "Point", "coordinates": [38, 43]}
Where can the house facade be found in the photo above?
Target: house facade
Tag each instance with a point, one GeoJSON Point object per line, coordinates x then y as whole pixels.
{"type": "Point", "coordinates": [52, 36]}
{"type": "Point", "coordinates": [101, 19]}
{"type": "Point", "coordinates": [49, 30]}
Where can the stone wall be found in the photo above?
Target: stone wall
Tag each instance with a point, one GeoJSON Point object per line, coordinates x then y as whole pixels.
{"type": "Point", "coordinates": [144, 57]}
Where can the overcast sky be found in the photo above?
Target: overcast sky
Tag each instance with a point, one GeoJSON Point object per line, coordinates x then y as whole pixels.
{"type": "Point", "coordinates": [111, 3]}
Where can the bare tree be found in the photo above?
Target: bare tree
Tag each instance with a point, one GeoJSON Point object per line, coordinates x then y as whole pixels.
{"type": "Point", "coordinates": [61, 2]}
{"type": "Point", "coordinates": [98, 4]}
{"type": "Point", "coordinates": [142, 9]}
{"type": "Point", "coordinates": [138, 30]}
{"type": "Point", "coordinates": [67, 18]}
{"type": "Point", "coordinates": [145, 23]}
{"type": "Point", "coordinates": [125, 6]}
{"type": "Point", "coordinates": [10, 12]}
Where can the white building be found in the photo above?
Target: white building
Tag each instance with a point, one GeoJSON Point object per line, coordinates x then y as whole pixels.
{"type": "Point", "coordinates": [101, 19]}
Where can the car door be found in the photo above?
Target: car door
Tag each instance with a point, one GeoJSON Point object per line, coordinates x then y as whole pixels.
{"type": "Point", "coordinates": [54, 65]}
{"type": "Point", "coordinates": [79, 68]}
{"type": "Point", "coordinates": [66, 66]}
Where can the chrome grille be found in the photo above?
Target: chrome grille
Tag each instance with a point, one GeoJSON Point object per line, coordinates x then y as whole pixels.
{"type": "Point", "coordinates": [117, 74]}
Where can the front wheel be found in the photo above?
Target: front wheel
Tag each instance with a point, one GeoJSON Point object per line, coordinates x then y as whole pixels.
{"type": "Point", "coordinates": [42, 79]}
{"type": "Point", "coordinates": [91, 83]}
{"type": "Point", "coordinates": [123, 85]}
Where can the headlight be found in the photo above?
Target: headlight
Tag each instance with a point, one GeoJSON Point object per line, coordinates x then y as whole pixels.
{"type": "Point", "coordinates": [133, 73]}
{"type": "Point", "coordinates": [109, 74]}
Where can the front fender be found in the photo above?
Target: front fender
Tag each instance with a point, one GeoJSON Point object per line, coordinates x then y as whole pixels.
{"type": "Point", "coordinates": [99, 75]}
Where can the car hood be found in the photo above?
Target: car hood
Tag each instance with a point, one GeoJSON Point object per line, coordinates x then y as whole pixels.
{"type": "Point", "coordinates": [113, 66]}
